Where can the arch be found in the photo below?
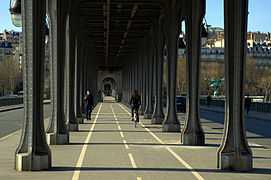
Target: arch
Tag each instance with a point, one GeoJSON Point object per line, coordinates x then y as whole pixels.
{"type": "Point", "coordinates": [103, 76]}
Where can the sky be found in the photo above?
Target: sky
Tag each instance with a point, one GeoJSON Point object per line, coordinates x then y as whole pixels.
{"type": "Point", "coordinates": [259, 15]}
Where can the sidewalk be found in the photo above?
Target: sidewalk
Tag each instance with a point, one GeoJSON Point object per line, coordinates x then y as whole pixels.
{"type": "Point", "coordinates": [18, 106]}
{"type": "Point", "coordinates": [252, 114]}
{"type": "Point", "coordinates": [110, 148]}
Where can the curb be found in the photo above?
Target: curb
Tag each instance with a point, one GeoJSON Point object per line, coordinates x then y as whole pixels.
{"type": "Point", "coordinates": [19, 107]}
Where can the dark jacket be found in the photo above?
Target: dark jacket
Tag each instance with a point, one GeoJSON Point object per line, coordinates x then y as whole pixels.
{"type": "Point", "coordinates": [89, 101]}
{"type": "Point", "coordinates": [247, 102]}
{"type": "Point", "coordinates": [135, 101]}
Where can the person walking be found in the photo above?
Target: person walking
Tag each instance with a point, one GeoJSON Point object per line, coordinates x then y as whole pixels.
{"type": "Point", "coordinates": [247, 103]}
{"type": "Point", "coordinates": [89, 101]}
{"type": "Point", "coordinates": [209, 99]}
{"type": "Point", "coordinates": [135, 103]}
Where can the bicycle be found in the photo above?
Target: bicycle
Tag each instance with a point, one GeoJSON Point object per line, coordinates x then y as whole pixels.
{"type": "Point", "coordinates": [136, 119]}
{"type": "Point", "coordinates": [135, 116]}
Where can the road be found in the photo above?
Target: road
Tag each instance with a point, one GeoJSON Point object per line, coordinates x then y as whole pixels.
{"type": "Point", "coordinates": [110, 147]}
{"type": "Point", "coordinates": [11, 121]}
{"type": "Point", "coordinates": [257, 131]}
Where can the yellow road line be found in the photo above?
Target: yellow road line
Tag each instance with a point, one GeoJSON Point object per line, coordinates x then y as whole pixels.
{"type": "Point", "coordinates": [195, 173]}
{"type": "Point", "coordinates": [125, 144]}
{"type": "Point", "coordinates": [132, 160]}
{"type": "Point", "coordinates": [84, 148]}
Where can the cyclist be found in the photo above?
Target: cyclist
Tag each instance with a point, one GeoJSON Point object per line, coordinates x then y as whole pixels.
{"type": "Point", "coordinates": [135, 103]}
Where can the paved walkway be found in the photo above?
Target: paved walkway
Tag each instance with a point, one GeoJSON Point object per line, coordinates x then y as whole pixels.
{"type": "Point", "coordinates": [110, 147]}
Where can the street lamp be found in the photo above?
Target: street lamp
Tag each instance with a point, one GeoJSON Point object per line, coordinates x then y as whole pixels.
{"type": "Point", "coordinates": [15, 11]}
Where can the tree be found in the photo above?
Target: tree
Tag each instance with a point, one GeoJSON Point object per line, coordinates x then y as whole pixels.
{"type": "Point", "coordinates": [181, 77]}
{"type": "Point", "coordinates": [252, 77]}
{"type": "Point", "coordinates": [9, 73]}
{"type": "Point", "coordinates": [265, 85]}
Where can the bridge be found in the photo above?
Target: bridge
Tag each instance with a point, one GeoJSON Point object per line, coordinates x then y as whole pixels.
{"type": "Point", "coordinates": [119, 45]}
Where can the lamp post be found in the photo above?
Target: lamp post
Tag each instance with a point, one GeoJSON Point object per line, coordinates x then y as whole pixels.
{"type": "Point", "coordinates": [16, 16]}
{"type": "Point", "coordinates": [15, 11]}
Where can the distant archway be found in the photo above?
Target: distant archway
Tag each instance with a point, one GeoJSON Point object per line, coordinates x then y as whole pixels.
{"type": "Point", "coordinates": [109, 86]}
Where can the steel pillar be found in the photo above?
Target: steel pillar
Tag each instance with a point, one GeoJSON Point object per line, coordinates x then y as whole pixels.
{"type": "Point", "coordinates": [193, 134]}
{"type": "Point", "coordinates": [33, 152]}
{"type": "Point", "coordinates": [149, 104]}
{"type": "Point", "coordinates": [73, 123]}
{"type": "Point", "coordinates": [234, 152]}
{"type": "Point", "coordinates": [158, 114]}
{"type": "Point", "coordinates": [57, 130]}
{"type": "Point", "coordinates": [171, 122]}
{"type": "Point", "coordinates": [78, 84]}
{"type": "Point", "coordinates": [144, 88]}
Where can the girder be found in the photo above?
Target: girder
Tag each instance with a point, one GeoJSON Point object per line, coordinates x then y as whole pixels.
{"type": "Point", "coordinates": [112, 25]}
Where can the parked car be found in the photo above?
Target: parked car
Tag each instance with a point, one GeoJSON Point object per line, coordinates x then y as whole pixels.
{"type": "Point", "coordinates": [181, 104]}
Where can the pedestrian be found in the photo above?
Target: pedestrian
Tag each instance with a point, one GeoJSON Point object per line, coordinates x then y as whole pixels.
{"type": "Point", "coordinates": [247, 103]}
{"type": "Point", "coordinates": [209, 99]}
{"type": "Point", "coordinates": [135, 103]}
{"type": "Point", "coordinates": [89, 101]}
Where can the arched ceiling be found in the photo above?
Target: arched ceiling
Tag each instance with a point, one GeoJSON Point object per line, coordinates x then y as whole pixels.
{"type": "Point", "coordinates": [116, 27]}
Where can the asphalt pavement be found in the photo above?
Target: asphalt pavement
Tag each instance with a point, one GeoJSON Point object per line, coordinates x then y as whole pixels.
{"type": "Point", "coordinates": [110, 147]}
{"type": "Point", "coordinates": [12, 120]}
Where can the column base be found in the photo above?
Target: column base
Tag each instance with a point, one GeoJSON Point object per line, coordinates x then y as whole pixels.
{"type": "Point", "coordinates": [147, 115]}
{"type": "Point", "coordinates": [193, 139]}
{"type": "Point", "coordinates": [157, 120]}
{"type": "Point", "coordinates": [56, 139]}
{"type": "Point", "coordinates": [233, 162]}
{"type": "Point", "coordinates": [80, 120]}
{"type": "Point", "coordinates": [38, 162]}
{"type": "Point", "coordinates": [73, 127]}
{"type": "Point", "coordinates": [141, 112]}
{"type": "Point", "coordinates": [171, 128]}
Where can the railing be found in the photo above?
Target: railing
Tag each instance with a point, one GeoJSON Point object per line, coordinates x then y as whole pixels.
{"type": "Point", "coordinates": [255, 106]}
{"type": "Point", "coordinates": [11, 101]}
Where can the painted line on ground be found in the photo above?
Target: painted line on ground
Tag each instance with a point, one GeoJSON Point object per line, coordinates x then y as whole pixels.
{"type": "Point", "coordinates": [125, 144]}
{"type": "Point", "coordinates": [10, 135]}
{"type": "Point", "coordinates": [84, 148]}
{"type": "Point", "coordinates": [14, 133]}
{"type": "Point", "coordinates": [187, 166]}
{"type": "Point", "coordinates": [132, 160]}
{"type": "Point", "coordinates": [121, 134]}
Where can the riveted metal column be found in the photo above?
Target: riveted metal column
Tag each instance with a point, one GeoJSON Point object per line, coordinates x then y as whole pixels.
{"type": "Point", "coordinates": [171, 122]}
{"type": "Point", "coordinates": [70, 53]}
{"type": "Point", "coordinates": [124, 84]}
{"type": "Point", "coordinates": [149, 105]}
{"type": "Point", "coordinates": [234, 152]}
{"type": "Point", "coordinates": [33, 152]}
{"type": "Point", "coordinates": [78, 112]}
{"type": "Point", "coordinates": [144, 80]}
{"type": "Point", "coordinates": [57, 132]}
{"type": "Point", "coordinates": [158, 115]}
{"type": "Point", "coordinates": [136, 72]}
{"type": "Point", "coordinates": [130, 83]}
{"type": "Point", "coordinates": [73, 123]}
{"type": "Point", "coordinates": [192, 133]}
